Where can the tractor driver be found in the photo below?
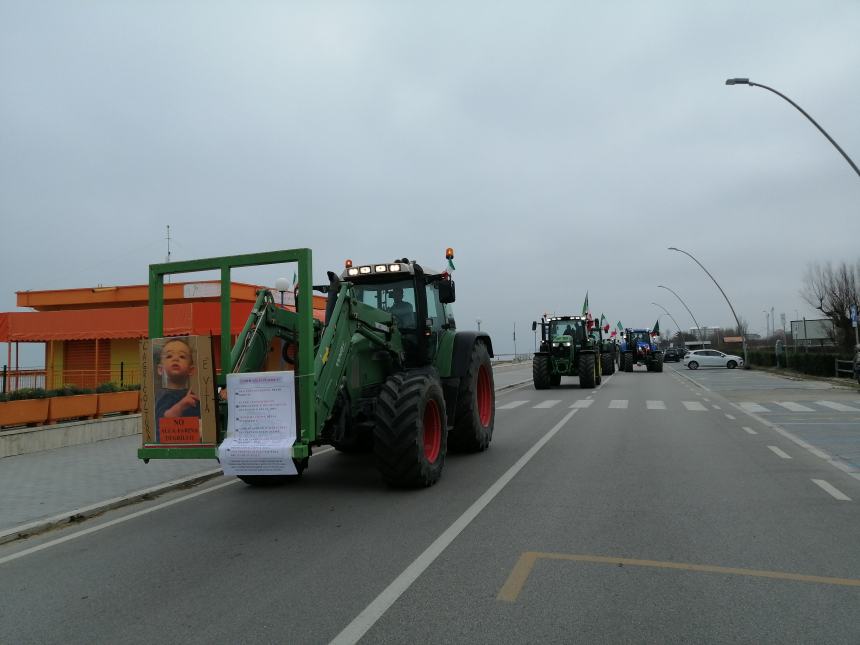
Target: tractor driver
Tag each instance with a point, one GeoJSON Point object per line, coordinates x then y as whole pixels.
{"type": "Point", "coordinates": [402, 310]}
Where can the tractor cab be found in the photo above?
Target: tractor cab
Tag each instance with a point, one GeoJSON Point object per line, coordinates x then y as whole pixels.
{"type": "Point", "coordinates": [418, 300]}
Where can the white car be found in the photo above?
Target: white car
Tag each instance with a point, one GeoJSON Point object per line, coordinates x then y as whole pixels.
{"type": "Point", "coordinates": [711, 358]}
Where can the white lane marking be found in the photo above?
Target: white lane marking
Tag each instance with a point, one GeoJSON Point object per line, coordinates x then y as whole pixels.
{"type": "Point", "coordinates": [655, 405]}
{"type": "Point", "coordinates": [582, 403]}
{"type": "Point", "coordinates": [716, 407]}
{"type": "Point", "coordinates": [749, 430]}
{"type": "Point", "coordinates": [839, 407]}
{"type": "Point", "coordinates": [838, 494]}
{"type": "Point", "coordinates": [707, 400]}
{"type": "Point", "coordinates": [779, 453]}
{"type": "Point", "coordinates": [694, 406]}
{"type": "Point", "coordinates": [729, 416]}
{"type": "Point", "coordinates": [353, 632]}
{"type": "Point", "coordinates": [618, 404]}
{"type": "Point", "coordinates": [749, 406]}
{"type": "Point", "coordinates": [548, 403]}
{"type": "Point", "coordinates": [511, 405]}
{"type": "Point", "coordinates": [794, 407]}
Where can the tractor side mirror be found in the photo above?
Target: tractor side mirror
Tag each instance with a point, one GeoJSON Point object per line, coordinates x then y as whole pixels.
{"type": "Point", "coordinates": [534, 325]}
{"type": "Point", "coordinates": [446, 291]}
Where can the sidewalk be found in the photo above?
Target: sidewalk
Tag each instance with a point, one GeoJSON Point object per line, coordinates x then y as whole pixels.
{"type": "Point", "coordinates": [44, 489]}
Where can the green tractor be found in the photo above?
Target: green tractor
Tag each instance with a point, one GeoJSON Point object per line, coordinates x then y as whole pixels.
{"type": "Point", "coordinates": [566, 349]}
{"type": "Point", "coordinates": [607, 350]}
{"type": "Point", "coordinates": [388, 371]}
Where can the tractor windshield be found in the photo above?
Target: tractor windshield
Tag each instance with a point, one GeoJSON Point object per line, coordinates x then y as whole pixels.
{"type": "Point", "coordinates": [395, 297]}
{"type": "Point", "coordinates": [572, 328]}
{"type": "Point", "coordinates": [641, 337]}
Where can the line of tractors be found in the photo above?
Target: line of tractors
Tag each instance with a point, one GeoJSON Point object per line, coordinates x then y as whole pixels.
{"type": "Point", "coordinates": [575, 346]}
{"type": "Point", "coordinates": [386, 370]}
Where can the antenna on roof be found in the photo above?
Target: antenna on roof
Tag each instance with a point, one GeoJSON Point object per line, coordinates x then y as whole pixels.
{"type": "Point", "coordinates": [168, 248]}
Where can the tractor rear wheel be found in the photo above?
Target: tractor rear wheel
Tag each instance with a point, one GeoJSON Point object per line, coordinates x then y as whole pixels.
{"type": "Point", "coordinates": [476, 405]}
{"type": "Point", "coordinates": [586, 371]}
{"type": "Point", "coordinates": [608, 364]}
{"type": "Point", "coordinates": [541, 372]}
{"type": "Point", "coordinates": [411, 434]}
{"type": "Point", "coordinates": [659, 366]}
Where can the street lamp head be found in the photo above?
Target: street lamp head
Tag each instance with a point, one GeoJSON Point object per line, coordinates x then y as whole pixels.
{"type": "Point", "coordinates": [737, 81]}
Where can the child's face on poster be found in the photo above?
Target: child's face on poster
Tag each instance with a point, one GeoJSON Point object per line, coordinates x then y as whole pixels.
{"type": "Point", "coordinates": [177, 362]}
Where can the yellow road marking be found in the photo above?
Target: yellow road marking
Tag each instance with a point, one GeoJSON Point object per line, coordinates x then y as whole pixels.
{"type": "Point", "coordinates": [510, 591]}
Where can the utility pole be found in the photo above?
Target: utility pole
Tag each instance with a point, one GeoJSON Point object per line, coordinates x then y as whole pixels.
{"type": "Point", "coordinates": [515, 341]}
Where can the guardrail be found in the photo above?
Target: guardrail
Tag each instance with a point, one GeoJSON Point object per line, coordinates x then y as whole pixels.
{"type": "Point", "coordinates": [845, 367]}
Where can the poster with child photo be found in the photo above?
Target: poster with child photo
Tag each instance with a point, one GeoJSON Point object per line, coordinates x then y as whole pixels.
{"type": "Point", "coordinates": [178, 392]}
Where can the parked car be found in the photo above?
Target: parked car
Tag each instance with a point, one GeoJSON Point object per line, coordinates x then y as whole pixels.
{"type": "Point", "coordinates": [674, 354]}
{"type": "Point", "coordinates": [711, 358]}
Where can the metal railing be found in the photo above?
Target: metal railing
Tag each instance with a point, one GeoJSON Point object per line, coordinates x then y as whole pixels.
{"type": "Point", "coordinates": [845, 367]}
{"type": "Point", "coordinates": [120, 374]}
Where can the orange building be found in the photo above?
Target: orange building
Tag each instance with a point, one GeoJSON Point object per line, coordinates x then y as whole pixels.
{"type": "Point", "coordinates": [91, 335]}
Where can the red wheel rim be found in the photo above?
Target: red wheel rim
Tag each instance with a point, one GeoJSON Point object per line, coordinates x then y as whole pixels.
{"type": "Point", "coordinates": [432, 431]}
{"type": "Point", "coordinates": [484, 396]}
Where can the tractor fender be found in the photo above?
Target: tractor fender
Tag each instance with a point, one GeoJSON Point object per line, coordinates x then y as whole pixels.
{"type": "Point", "coordinates": [462, 351]}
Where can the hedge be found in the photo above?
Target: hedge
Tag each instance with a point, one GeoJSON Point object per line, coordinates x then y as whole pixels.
{"type": "Point", "coordinates": [66, 390]}
{"type": "Point", "coordinates": [814, 363]}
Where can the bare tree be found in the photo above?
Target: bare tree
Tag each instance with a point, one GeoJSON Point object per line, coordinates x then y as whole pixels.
{"type": "Point", "coordinates": [832, 291]}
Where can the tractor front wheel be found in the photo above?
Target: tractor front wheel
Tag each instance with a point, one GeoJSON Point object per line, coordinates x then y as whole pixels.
{"type": "Point", "coordinates": [411, 434]}
{"type": "Point", "coordinates": [476, 405]}
{"type": "Point", "coordinates": [541, 372]}
{"type": "Point", "coordinates": [587, 371]}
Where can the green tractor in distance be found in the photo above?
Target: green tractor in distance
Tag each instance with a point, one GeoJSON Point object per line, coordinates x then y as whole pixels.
{"type": "Point", "coordinates": [607, 350]}
{"type": "Point", "coordinates": [566, 349]}
{"type": "Point", "coordinates": [387, 371]}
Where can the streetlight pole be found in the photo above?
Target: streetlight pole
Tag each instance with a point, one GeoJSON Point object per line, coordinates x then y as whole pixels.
{"type": "Point", "coordinates": [670, 316]}
{"type": "Point", "coordinates": [737, 321]}
{"type": "Point", "coordinates": [746, 81]}
{"type": "Point", "coordinates": [698, 326]}
{"type": "Point", "coordinates": [766, 323]}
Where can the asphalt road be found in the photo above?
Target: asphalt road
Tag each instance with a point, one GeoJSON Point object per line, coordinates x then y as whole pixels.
{"type": "Point", "coordinates": [648, 510]}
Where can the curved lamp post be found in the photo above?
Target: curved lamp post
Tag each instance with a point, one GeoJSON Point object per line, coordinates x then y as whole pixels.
{"type": "Point", "coordinates": [670, 316]}
{"type": "Point", "coordinates": [698, 326]}
{"type": "Point", "coordinates": [746, 81]}
{"type": "Point", "coordinates": [740, 331]}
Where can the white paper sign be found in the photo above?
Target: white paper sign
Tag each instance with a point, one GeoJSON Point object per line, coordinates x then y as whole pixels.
{"type": "Point", "coordinates": [261, 424]}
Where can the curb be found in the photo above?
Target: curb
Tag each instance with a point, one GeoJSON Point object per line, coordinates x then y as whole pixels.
{"type": "Point", "coordinates": [71, 517]}
{"type": "Point", "coordinates": [36, 527]}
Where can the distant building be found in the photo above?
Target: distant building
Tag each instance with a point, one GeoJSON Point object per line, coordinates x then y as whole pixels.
{"type": "Point", "coordinates": [91, 335]}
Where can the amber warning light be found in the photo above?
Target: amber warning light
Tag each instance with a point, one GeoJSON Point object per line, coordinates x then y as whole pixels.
{"type": "Point", "coordinates": [348, 264]}
{"type": "Point", "coordinates": [449, 253]}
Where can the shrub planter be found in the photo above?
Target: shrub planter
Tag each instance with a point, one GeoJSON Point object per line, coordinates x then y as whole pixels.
{"type": "Point", "coordinates": [28, 412]}
{"type": "Point", "coordinates": [79, 406]}
{"type": "Point", "coordinates": [113, 402]}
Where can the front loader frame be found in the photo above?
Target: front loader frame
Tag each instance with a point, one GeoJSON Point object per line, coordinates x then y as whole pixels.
{"type": "Point", "coordinates": [305, 364]}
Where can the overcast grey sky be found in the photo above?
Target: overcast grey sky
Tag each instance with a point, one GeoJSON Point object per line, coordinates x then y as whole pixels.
{"type": "Point", "coordinates": [559, 147]}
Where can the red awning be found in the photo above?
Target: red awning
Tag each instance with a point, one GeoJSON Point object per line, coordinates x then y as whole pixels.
{"type": "Point", "coordinates": [199, 318]}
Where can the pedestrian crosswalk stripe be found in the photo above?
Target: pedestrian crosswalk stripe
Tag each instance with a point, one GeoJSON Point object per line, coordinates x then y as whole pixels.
{"type": "Point", "coordinates": [619, 404]}
{"type": "Point", "coordinates": [655, 405]}
{"type": "Point", "coordinates": [548, 404]}
{"type": "Point", "coordinates": [694, 406]}
{"type": "Point", "coordinates": [511, 405]}
{"type": "Point", "coordinates": [749, 406]}
{"type": "Point", "coordinates": [793, 407]}
{"type": "Point", "coordinates": [839, 407]}
{"type": "Point", "coordinates": [582, 403]}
